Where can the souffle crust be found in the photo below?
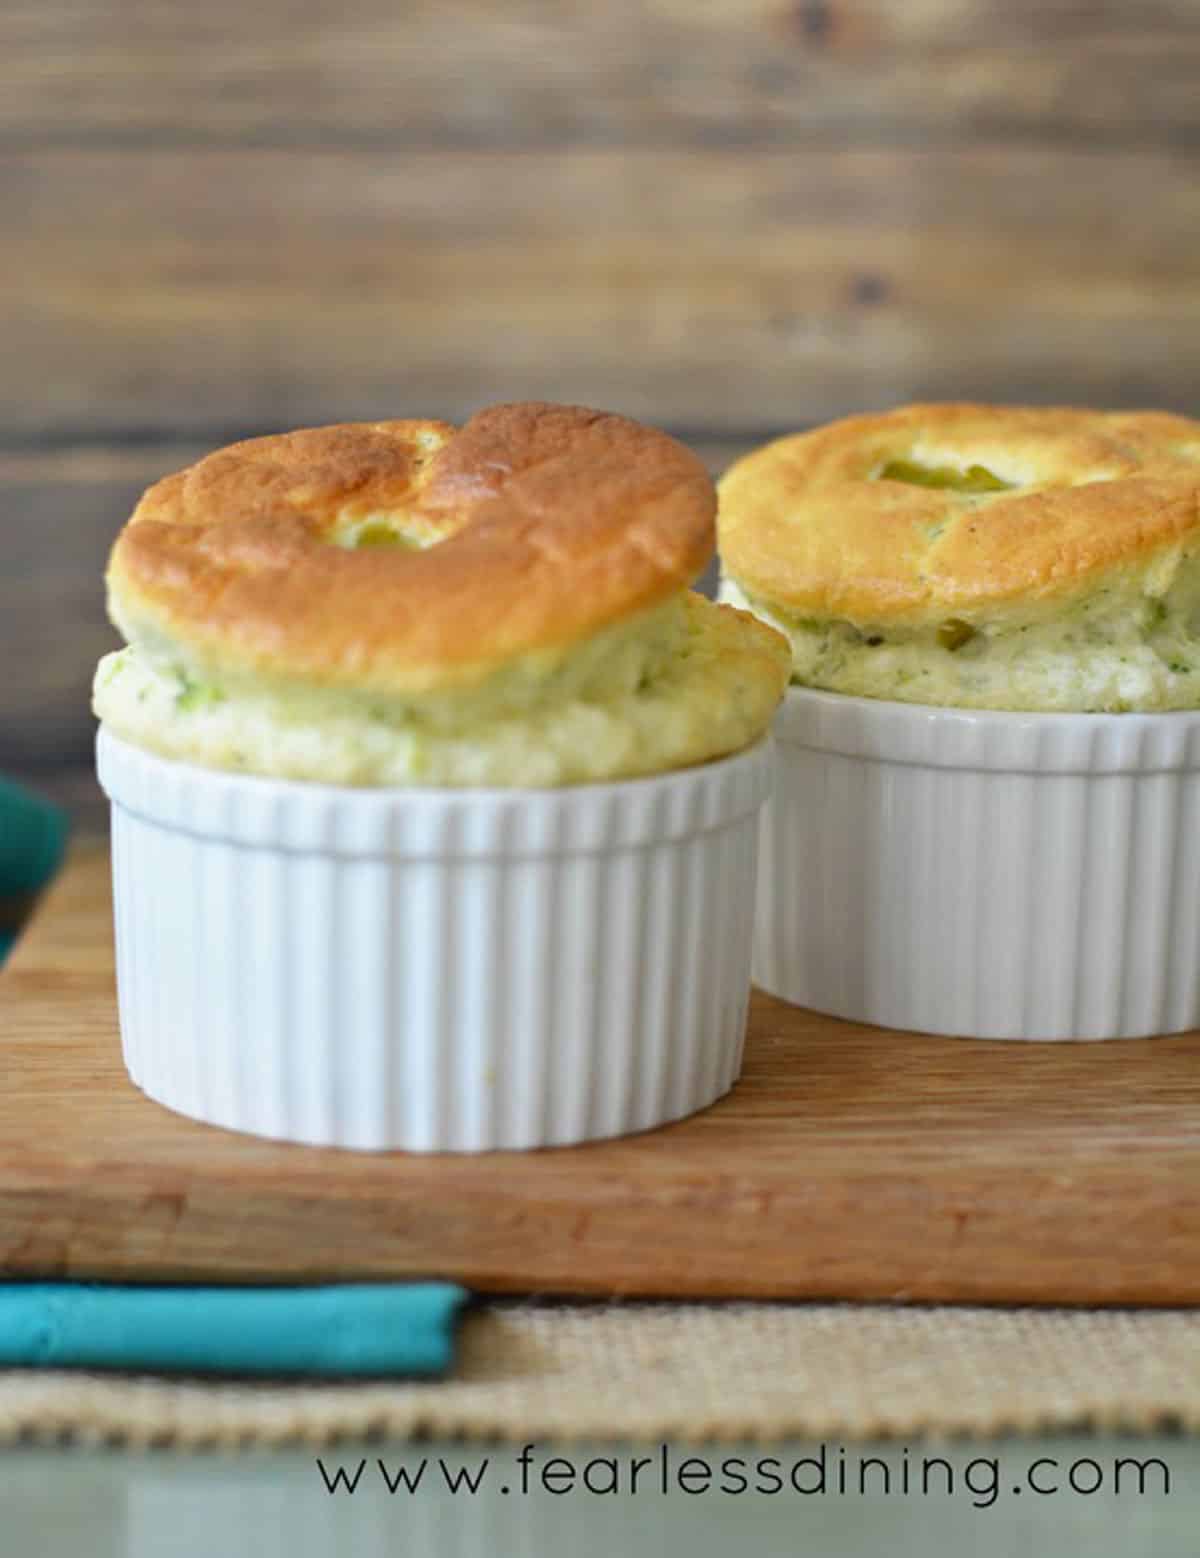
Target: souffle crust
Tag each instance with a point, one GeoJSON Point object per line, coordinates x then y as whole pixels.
{"type": "Point", "coordinates": [997, 557]}
{"type": "Point", "coordinates": [401, 602]}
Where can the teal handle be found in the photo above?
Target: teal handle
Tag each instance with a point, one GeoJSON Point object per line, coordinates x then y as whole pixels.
{"type": "Point", "coordinates": [33, 836]}
{"type": "Point", "coordinates": [350, 1329]}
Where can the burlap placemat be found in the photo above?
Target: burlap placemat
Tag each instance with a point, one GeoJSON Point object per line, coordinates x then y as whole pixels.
{"type": "Point", "coordinates": [530, 1372]}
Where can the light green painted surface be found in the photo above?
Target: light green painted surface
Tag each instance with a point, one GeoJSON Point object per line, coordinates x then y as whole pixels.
{"type": "Point", "coordinates": [155, 1504]}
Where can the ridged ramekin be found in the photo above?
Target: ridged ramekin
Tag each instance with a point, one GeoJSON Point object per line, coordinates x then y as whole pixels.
{"type": "Point", "coordinates": [1010, 876]}
{"type": "Point", "coordinates": [433, 970]}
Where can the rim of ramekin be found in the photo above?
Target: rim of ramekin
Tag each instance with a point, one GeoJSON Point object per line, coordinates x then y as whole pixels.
{"type": "Point", "coordinates": [989, 740]}
{"type": "Point", "coordinates": [299, 814]}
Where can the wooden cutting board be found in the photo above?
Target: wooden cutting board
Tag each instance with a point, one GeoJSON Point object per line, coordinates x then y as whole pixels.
{"type": "Point", "coordinates": [848, 1162]}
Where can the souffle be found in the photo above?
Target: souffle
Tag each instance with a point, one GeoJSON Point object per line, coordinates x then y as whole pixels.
{"type": "Point", "coordinates": [407, 603]}
{"type": "Point", "coordinates": [988, 557]}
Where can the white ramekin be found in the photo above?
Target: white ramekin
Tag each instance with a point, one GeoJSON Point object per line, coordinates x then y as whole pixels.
{"type": "Point", "coordinates": [1009, 876]}
{"type": "Point", "coordinates": [433, 970]}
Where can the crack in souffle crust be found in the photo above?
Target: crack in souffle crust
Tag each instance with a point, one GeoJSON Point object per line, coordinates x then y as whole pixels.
{"type": "Point", "coordinates": [528, 530]}
{"type": "Point", "coordinates": [1078, 496]}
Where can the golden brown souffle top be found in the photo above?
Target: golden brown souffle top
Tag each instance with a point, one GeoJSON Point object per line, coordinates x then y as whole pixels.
{"type": "Point", "coordinates": [960, 510]}
{"type": "Point", "coordinates": [551, 522]}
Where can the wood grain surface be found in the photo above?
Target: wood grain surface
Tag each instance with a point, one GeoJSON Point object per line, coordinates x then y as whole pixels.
{"type": "Point", "coordinates": [627, 72]}
{"type": "Point", "coordinates": [729, 217]}
{"type": "Point", "coordinates": [848, 1162]}
{"type": "Point", "coordinates": [182, 290]}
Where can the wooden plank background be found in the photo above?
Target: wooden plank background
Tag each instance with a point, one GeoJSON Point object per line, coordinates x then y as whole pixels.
{"type": "Point", "coordinates": [727, 216]}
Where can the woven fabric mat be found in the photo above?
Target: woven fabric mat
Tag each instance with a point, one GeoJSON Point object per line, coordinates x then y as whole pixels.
{"type": "Point", "coordinates": [539, 1373]}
